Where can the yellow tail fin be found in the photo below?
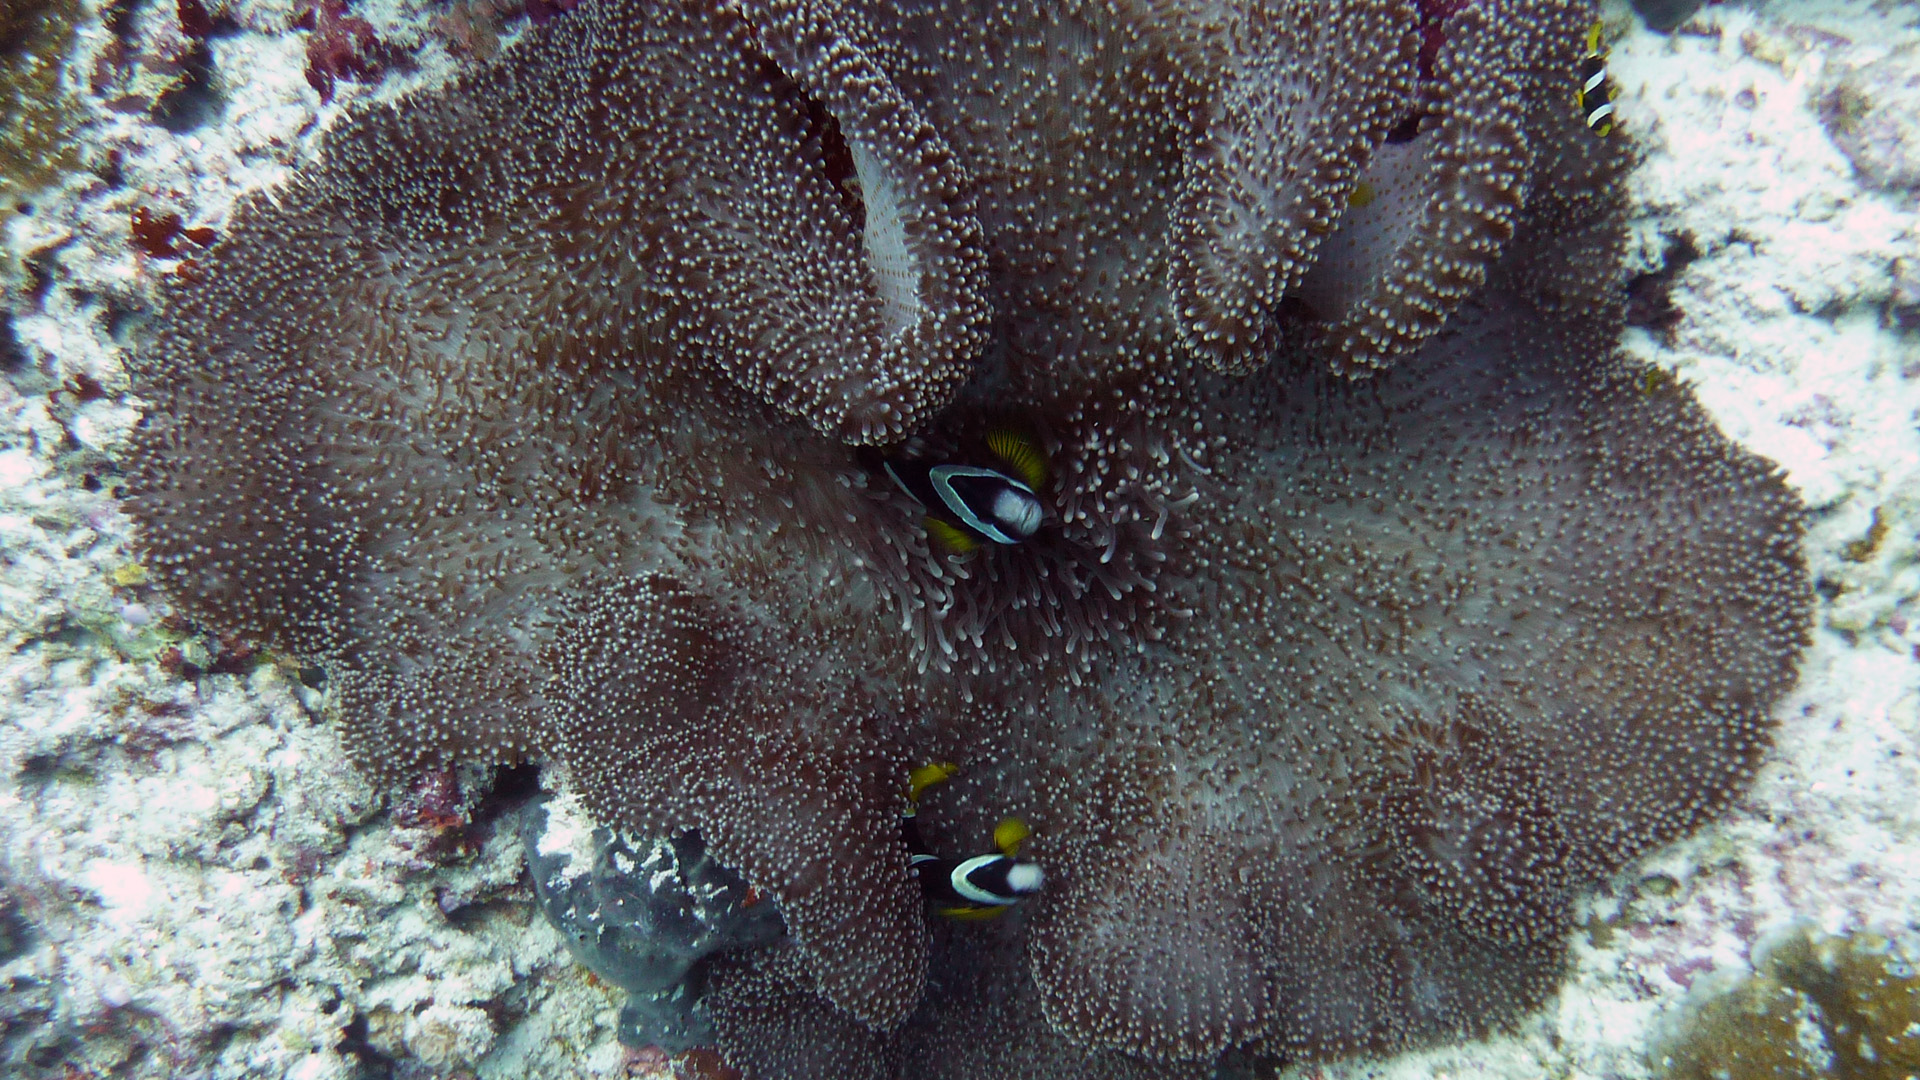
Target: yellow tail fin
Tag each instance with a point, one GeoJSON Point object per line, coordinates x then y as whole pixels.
{"type": "Point", "coordinates": [1021, 455]}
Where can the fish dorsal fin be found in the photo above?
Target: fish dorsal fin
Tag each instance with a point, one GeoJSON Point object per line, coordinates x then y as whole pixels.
{"type": "Point", "coordinates": [1021, 455]}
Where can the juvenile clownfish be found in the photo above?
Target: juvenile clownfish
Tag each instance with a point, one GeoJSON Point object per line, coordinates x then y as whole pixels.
{"type": "Point", "coordinates": [967, 504]}
{"type": "Point", "coordinates": [1595, 97]}
{"type": "Point", "coordinates": [981, 887]}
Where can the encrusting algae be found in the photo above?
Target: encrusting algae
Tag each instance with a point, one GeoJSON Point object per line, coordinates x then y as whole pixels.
{"type": "Point", "coordinates": [37, 118]}
{"type": "Point", "coordinates": [1814, 1007]}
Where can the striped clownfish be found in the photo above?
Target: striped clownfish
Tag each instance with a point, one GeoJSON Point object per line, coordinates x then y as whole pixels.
{"type": "Point", "coordinates": [1595, 97]}
{"type": "Point", "coordinates": [968, 504]}
{"type": "Point", "coordinates": [981, 887]}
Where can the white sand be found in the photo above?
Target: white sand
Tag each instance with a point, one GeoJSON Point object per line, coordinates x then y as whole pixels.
{"type": "Point", "coordinates": [213, 893]}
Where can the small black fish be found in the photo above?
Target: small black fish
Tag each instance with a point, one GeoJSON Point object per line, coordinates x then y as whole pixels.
{"type": "Point", "coordinates": [967, 504]}
{"type": "Point", "coordinates": [977, 888]}
{"type": "Point", "coordinates": [1595, 96]}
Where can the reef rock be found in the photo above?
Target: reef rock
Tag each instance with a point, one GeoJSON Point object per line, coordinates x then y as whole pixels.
{"type": "Point", "coordinates": [1869, 111]}
{"type": "Point", "coordinates": [534, 414]}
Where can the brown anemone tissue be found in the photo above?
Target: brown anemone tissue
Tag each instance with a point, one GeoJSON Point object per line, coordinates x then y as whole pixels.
{"type": "Point", "coordinates": [1381, 604]}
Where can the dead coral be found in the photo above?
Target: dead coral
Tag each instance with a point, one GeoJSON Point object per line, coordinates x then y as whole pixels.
{"type": "Point", "coordinates": [1869, 113]}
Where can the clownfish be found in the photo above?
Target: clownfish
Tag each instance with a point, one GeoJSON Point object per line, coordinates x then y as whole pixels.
{"type": "Point", "coordinates": [967, 504]}
{"type": "Point", "coordinates": [981, 887]}
{"type": "Point", "coordinates": [1595, 97]}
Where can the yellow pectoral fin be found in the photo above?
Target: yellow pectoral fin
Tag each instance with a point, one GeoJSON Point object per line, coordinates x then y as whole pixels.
{"type": "Point", "coordinates": [950, 538]}
{"type": "Point", "coordinates": [1009, 835]}
{"type": "Point", "coordinates": [1021, 456]}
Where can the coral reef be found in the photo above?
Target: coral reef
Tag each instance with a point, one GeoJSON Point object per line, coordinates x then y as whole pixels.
{"type": "Point", "coordinates": [527, 412]}
{"type": "Point", "coordinates": [37, 118]}
{"type": "Point", "coordinates": [1814, 1006]}
{"type": "Point", "coordinates": [645, 917]}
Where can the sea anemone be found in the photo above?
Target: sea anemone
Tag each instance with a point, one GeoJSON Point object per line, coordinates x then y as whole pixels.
{"type": "Point", "coordinates": [544, 413]}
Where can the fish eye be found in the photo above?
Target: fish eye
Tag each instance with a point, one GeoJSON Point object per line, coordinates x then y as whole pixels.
{"type": "Point", "coordinates": [1018, 511]}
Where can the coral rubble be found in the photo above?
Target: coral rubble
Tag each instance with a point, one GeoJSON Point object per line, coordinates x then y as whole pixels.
{"type": "Point", "coordinates": [528, 413]}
